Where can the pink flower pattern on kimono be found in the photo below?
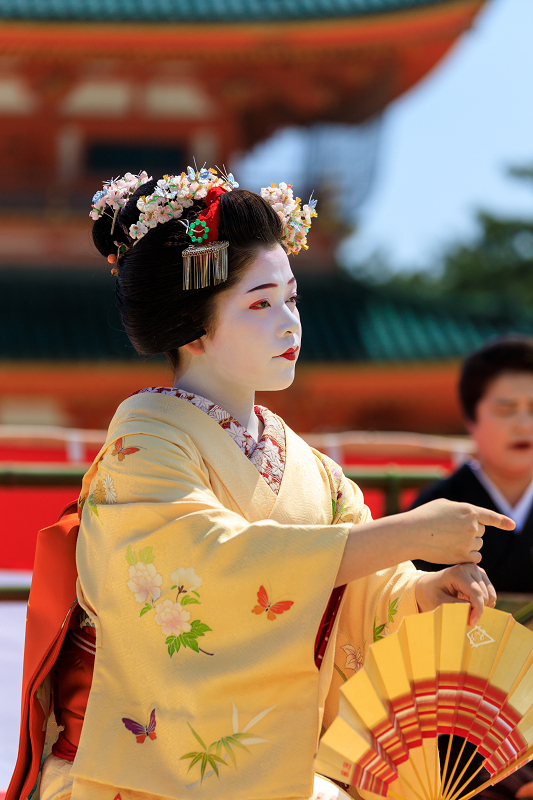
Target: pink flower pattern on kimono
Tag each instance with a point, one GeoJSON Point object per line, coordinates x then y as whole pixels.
{"type": "Point", "coordinates": [144, 582]}
{"type": "Point", "coordinates": [171, 615]}
{"type": "Point", "coordinates": [354, 657]}
{"type": "Point", "coordinates": [173, 618]}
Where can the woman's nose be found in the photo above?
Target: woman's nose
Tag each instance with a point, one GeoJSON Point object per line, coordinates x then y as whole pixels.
{"type": "Point", "coordinates": [291, 322]}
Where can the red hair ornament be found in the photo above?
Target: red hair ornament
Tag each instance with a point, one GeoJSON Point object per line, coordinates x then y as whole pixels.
{"type": "Point", "coordinates": [205, 262]}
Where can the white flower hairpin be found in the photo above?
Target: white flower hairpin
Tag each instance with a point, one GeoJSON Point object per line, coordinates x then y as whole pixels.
{"type": "Point", "coordinates": [205, 260]}
{"type": "Point", "coordinates": [116, 193]}
{"type": "Point", "coordinates": [295, 218]}
{"type": "Point", "coordinates": [174, 193]}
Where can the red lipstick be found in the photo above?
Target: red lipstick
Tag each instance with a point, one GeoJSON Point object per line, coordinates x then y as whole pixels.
{"type": "Point", "coordinates": [289, 354]}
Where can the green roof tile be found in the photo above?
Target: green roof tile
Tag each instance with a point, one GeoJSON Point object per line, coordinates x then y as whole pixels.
{"type": "Point", "coordinates": [61, 315]}
{"type": "Point", "coordinates": [198, 10]}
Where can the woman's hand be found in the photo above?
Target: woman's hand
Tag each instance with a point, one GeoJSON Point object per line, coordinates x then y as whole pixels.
{"type": "Point", "coordinates": [444, 532]}
{"type": "Point", "coordinates": [462, 583]}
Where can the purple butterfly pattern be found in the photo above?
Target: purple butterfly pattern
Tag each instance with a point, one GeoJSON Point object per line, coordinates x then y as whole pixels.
{"type": "Point", "coordinates": [141, 731]}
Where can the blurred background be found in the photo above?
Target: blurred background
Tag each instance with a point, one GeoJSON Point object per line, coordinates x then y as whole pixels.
{"type": "Point", "coordinates": [410, 120]}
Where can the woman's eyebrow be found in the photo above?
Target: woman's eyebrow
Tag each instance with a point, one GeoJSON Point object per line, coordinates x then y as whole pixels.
{"type": "Point", "coordinates": [268, 286]}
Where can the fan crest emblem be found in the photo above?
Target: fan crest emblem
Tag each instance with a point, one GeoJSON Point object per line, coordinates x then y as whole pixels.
{"type": "Point", "coordinates": [478, 636]}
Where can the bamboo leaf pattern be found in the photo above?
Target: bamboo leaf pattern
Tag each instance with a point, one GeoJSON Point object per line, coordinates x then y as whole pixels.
{"type": "Point", "coordinates": [393, 609]}
{"type": "Point", "coordinates": [226, 745]}
{"type": "Point", "coordinates": [378, 631]}
{"type": "Point", "coordinates": [234, 740]}
{"type": "Point", "coordinates": [212, 755]}
{"type": "Point", "coordinates": [197, 737]}
{"type": "Point", "coordinates": [195, 760]}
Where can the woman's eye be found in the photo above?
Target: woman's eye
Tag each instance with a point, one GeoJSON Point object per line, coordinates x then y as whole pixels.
{"type": "Point", "coordinates": [261, 304]}
{"type": "Point", "coordinates": [294, 298]}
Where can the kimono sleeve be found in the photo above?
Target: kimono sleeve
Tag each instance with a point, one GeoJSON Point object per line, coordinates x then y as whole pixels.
{"type": "Point", "coordinates": [373, 606]}
{"type": "Point", "coordinates": [152, 531]}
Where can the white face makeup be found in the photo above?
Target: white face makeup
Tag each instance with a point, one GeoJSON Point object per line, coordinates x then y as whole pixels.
{"type": "Point", "coordinates": [257, 335]}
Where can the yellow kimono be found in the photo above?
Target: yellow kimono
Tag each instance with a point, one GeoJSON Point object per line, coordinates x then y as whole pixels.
{"type": "Point", "coordinates": [207, 590]}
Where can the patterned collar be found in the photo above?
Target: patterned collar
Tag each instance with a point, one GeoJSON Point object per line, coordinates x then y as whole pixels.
{"type": "Point", "coordinates": [268, 455]}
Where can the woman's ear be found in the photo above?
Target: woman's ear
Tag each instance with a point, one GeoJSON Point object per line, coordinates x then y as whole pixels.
{"type": "Point", "coordinates": [195, 348]}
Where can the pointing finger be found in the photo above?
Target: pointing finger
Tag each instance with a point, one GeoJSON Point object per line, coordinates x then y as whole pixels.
{"type": "Point", "coordinates": [487, 517]}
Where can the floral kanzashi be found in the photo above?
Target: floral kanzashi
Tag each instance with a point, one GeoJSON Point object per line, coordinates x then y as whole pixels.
{"type": "Point", "coordinates": [171, 615]}
{"type": "Point", "coordinates": [115, 193]}
{"type": "Point", "coordinates": [218, 752]}
{"type": "Point", "coordinates": [104, 493]}
{"type": "Point", "coordinates": [144, 579]}
{"type": "Point", "coordinates": [173, 194]}
{"type": "Point", "coordinates": [296, 218]}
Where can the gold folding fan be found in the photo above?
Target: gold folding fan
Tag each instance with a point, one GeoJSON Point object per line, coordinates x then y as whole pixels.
{"type": "Point", "coordinates": [436, 675]}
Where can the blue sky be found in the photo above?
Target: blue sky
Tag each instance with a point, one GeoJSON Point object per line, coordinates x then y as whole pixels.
{"type": "Point", "coordinates": [445, 145]}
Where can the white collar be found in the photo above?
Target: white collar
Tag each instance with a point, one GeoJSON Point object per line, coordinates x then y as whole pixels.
{"type": "Point", "coordinates": [518, 513]}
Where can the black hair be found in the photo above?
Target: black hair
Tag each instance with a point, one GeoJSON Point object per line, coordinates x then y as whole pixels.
{"type": "Point", "coordinates": [512, 353]}
{"type": "Point", "coordinates": [158, 315]}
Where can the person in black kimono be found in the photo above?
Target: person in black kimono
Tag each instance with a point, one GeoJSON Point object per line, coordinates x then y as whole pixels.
{"type": "Point", "coordinates": [496, 395]}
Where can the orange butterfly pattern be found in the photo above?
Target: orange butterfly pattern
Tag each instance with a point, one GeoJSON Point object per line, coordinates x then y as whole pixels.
{"type": "Point", "coordinates": [272, 609]}
{"type": "Point", "coordinates": [122, 451]}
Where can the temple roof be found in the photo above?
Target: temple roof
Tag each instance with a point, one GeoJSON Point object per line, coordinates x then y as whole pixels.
{"type": "Point", "coordinates": [71, 316]}
{"type": "Point", "coordinates": [197, 11]}
{"type": "Point", "coordinates": [259, 64]}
